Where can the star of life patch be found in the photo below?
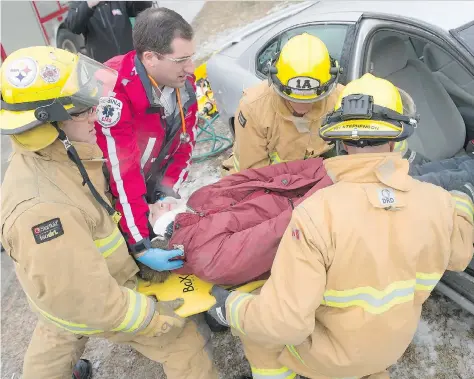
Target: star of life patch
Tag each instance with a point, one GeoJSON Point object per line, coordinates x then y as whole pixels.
{"type": "Point", "coordinates": [242, 119]}
{"type": "Point", "coordinates": [48, 230]}
{"type": "Point", "coordinates": [109, 111]}
{"type": "Point", "coordinates": [386, 197]}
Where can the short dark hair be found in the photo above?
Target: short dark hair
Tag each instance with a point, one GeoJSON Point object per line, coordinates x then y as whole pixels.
{"type": "Point", "coordinates": [156, 28]}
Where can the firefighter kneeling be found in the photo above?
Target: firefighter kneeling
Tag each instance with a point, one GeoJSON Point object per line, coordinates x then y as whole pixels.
{"type": "Point", "coordinates": [60, 230]}
{"type": "Point", "coordinates": [359, 258]}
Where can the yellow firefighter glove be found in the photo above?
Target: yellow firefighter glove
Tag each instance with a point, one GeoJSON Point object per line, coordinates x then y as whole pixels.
{"type": "Point", "coordinates": [164, 319]}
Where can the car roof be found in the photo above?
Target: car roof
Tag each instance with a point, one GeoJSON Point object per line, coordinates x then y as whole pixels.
{"type": "Point", "coordinates": [443, 14]}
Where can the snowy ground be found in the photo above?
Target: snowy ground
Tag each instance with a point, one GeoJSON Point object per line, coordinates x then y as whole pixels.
{"type": "Point", "coordinates": [443, 347]}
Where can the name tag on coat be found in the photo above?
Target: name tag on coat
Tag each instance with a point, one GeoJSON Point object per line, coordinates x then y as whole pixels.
{"type": "Point", "coordinates": [385, 197]}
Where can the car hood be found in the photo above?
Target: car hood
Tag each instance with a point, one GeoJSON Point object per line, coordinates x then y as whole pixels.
{"type": "Point", "coordinates": [242, 38]}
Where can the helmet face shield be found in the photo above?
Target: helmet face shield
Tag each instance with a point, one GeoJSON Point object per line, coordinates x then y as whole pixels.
{"type": "Point", "coordinates": [89, 82]}
{"type": "Point", "coordinates": [360, 121]}
{"type": "Point", "coordinates": [409, 107]}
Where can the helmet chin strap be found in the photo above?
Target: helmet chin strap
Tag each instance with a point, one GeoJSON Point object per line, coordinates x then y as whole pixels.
{"type": "Point", "coordinates": [293, 112]}
{"type": "Point", "coordinates": [74, 156]}
{"type": "Point", "coordinates": [296, 114]}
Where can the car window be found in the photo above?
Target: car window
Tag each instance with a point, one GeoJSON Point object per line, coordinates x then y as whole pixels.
{"type": "Point", "coordinates": [466, 34]}
{"type": "Point", "coordinates": [332, 35]}
{"type": "Point", "coordinates": [418, 46]}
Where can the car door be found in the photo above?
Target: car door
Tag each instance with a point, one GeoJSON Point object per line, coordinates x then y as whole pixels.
{"type": "Point", "coordinates": [403, 64]}
{"type": "Point", "coordinates": [444, 63]}
{"type": "Point", "coordinates": [370, 23]}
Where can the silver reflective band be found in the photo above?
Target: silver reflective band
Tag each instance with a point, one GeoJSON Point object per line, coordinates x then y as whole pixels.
{"type": "Point", "coordinates": [370, 299]}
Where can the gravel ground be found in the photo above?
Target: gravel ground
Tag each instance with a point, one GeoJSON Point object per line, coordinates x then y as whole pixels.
{"type": "Point", "coordinates": [443, 347]}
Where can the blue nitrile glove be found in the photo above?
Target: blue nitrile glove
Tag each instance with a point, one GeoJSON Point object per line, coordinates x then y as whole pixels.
{"type": "Point", "coordinates": [159, 260]}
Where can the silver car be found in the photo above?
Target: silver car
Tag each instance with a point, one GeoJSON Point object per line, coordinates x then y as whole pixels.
{"type": "Point", "coordinates": [423, 47]}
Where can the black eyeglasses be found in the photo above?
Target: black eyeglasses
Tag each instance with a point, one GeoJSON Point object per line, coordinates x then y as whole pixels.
{"type": "Point", "coordinates": [82, 115]}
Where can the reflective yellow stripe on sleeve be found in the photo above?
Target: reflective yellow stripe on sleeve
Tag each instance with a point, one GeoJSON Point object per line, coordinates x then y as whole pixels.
{"type": "Point", "coordinates": [279, 373]}
{"type": "Point", "coordinates": [401, 146]}
{"type": "Point", "coordinates": [379, 301]}
{"type": "Point", "coordinates": [72, 327]}
{"type": "Point", "coordinates": [294, 352]}
{"type": "Point", "coordinates": [427, 282]}
{"type": "Point", "coordinates": [236, 163]}
{"type": "Point", "coordinates": [275, 158]}
{"type": "Point", "coordinates": [108, 245]}
{"type": "Point", "coordinates": [139, 314]}
{"type": "Point", "coordinates": [370, 299]}
{"type": "Point", "coordinates": [463, 204]}
{"type": "Point", "coordinates": [234, 305]}
{"type": "Point", "coordinates": [140, 311]}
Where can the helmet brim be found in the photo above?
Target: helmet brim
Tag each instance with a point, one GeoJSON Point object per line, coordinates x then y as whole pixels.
{"type": "Point", "coordinates": [13, 123]}
{"type": "Point", "coordinates": [374, 130]}
{"type": "Point", "coordinates": [37, 138]}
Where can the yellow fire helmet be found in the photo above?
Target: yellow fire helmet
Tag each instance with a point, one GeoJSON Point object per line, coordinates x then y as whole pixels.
{"type": "Point", "coordinates": [370, 111]}
{"type": "Point", "coordinates": [303, 71]}
{"type": "Point", "coordinates": [42, 85]}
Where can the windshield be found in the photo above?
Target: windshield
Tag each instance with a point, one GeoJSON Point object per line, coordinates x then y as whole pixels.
{"type": "Point", "coordinates": [465, 35]}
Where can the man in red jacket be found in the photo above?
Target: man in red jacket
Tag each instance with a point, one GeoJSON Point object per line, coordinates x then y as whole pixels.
{"type": "Point", "coordinates": [146, 127]}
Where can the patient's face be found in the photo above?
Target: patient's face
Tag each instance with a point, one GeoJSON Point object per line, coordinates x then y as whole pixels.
{"type": "Point", "coordinates": [160, 208]}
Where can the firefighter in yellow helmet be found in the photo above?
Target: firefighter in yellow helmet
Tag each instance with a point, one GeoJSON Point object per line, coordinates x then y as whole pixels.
{"type": "Point", "coordinates": [59, 228]}
{"type": "Point", "coordinates": [359, 258]}
{"type": "Point", "coordinates": [278, 120]}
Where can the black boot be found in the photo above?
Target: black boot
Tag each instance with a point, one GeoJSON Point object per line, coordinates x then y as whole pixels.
{"type": "Point", "coordinates": [216, 328]}
{"type": "Point", "coordinates": [82, 370]}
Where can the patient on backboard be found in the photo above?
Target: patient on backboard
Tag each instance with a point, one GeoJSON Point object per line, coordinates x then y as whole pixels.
{"type": "Point", "coordinates": [230, 253]}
